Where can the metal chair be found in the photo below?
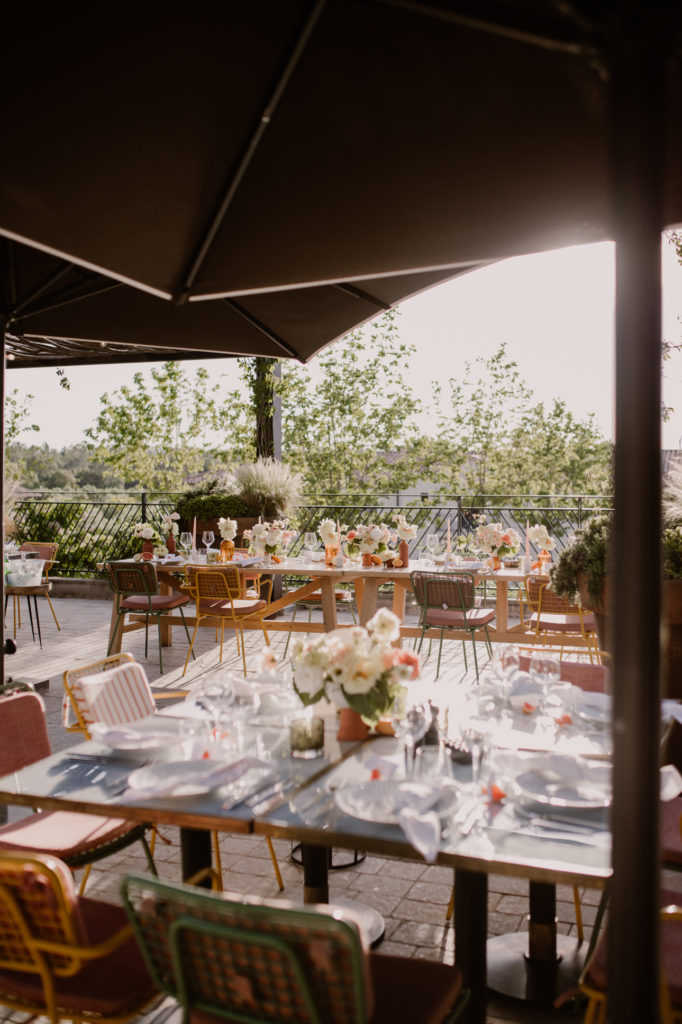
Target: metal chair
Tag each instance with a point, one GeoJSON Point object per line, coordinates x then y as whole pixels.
{"type": "Point", "coordinates": [554, 618]}
{"type": "Point", "coordinates": [78, 839]}
{"type": "Point", "coordinates": [343, 597]}
{"type": "Point", "coordinates": [447, 601]}
{"type": "Point", "coordinates": [63, 956]}
{"type": "Point", "coordinates": [135, 586]}
{"type": "Point", "coordinates": [218, 594]}
{"type": "Point", "coordinates": [272, 962]}
{"type": "Point", "coordinates": [47, 551]}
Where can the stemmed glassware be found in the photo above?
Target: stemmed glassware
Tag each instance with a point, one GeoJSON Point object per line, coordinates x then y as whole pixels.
{"type": "Point", "coordinates": [410, 723]}
{"type": "Point", "coordinates": [207, 538]}
{"type": "Point", "coordinates": [506, 663]}
{"type": "Point", "coordinates": [475, 729]}
{"type": "Point", "coordinates": [432, 543]}
{"type": "Point", "coordinates": [185, 542]}
{"type": "Point", "coordinates": [310, 543]}
{"type": "Point", "coordinates": [546, 671]}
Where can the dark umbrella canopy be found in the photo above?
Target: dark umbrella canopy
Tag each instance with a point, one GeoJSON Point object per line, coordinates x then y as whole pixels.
{"type": "Point", "coordinates": [267, 145]}
{"type": "Point", "coordinates": [56, 313]}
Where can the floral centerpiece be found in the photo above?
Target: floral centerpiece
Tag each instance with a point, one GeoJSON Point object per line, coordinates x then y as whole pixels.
{"type": "Point", "coordinates": [353, 545]}
{"type": "Point", "coordinates": [497, 540]}
{"type": "Point", "coordinates": [356, 668]}
{"type": "Point", "coordinates": [540, 538]}
{"type": "Point", "coordinates": [266, 538]}
{"type": "Point", "coordinates": [329, 533]}
{"type": "Point", "coordinates": [375, 539]}
{"type": "Point", "coordinates": [171, 530]}
{"type": "Point", "coordinates": [152, 542]}
{"type": "Point", "coordinates": [405, 530]}
{"type": "Point", "coordinates": [227, 528]}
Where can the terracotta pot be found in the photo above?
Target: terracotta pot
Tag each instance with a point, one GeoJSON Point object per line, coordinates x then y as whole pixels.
{"type": "Point", "coordinates": [496, 563]}
{"type": "Point", "coordinates": [351, 726]}
{"type": "Point", "coordinates": [404, 552]}
{"type": "Point", "coordinates": [147, 550]}
{"type": "Point", "coordinates": [367, 560]}
{"type": "Point", "coordinates": [170, 544]}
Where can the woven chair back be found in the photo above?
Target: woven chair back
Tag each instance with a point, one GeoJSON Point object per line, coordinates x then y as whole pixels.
{"type": "Point", "coordinates": [23, 731]}
{"type": "Point", "coordinates": [444, 590]}
{"type": "Point", "coordinates": [115, 696]}
{"type": "Point", "coordinates": [542, 599]}
{"type": "Point", "coordinates": [132, 580]}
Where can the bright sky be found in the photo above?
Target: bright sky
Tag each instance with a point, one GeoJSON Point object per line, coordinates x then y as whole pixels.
{"type": "Point", "coordinates": [554, 310]}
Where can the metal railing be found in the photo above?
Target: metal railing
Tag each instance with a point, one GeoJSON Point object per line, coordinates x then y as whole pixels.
{"type": "Point", "coordinates": [91, 531]}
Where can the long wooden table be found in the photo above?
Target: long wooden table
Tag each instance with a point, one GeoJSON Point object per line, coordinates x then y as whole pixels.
{"type": "Point", "coordinates": [322, 579]}
{"type": "Point", "coordinates": [55, 784]}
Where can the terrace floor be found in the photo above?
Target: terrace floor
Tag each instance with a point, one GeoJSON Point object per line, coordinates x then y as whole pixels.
{"type": "Point", "coordinates": [412, 897]}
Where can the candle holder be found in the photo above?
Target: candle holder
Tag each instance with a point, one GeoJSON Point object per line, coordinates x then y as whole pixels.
{"type": "Point", "coordinates": [306, 737]}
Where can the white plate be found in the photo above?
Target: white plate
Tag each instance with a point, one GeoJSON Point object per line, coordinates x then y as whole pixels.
{"type": "Point", "coordinates": [375, 800]}
{"type": "Point", "coordinates": [134, 743]}
{"type": "Point", "coordinates": [186, 778]}
{"type": "Point", "coordinates": [533, 786]}
{"type": "Point", "coordinates": [598, 714]}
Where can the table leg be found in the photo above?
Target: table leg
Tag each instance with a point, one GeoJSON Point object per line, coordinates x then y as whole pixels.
{"type": "Point", "coordinates": [315, 874]}
{"type": "Point", "coordinates": [195, 851]}
{"type": "Point", "coordinates": [471, 917]}
{"type": "Point", "coordinates": [501, 611]}
{"type": "Point", "coordinates": [369, 600]}
{"type": "Point", "coordinates": [166, 628]}
{"type": "Point", "coordinates": [115, 627]}
{"type": "Point", "coordinates": [328, 603]}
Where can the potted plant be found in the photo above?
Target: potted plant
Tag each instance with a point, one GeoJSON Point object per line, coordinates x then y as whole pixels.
{"type": "Point", "coordinates": [212, 502]}
{"type": "Point", "coordinates": [580, 574]}
{"type": "Point", "coordinates": [268, 486]}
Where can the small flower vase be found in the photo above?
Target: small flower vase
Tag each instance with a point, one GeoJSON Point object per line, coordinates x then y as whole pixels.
{"type": "Point", "coordinates": [147, 549]}
{"type": "Point", "coordinates": [352, 729]}
{"type": "Point", "coordinates": [330, 553]}
{"type": "Point", "coordinates": [226, 551]}
{"type": "Point", "coordinates": [545, 560]}
{"type": "Point", "coordinates": [170, 543]}
{"type": "Point", "coordinates": [404, 553]}
{"type": "Point", "coordinates": [367, 560]}
{"type": "Point", "coordinates": [495, 562]}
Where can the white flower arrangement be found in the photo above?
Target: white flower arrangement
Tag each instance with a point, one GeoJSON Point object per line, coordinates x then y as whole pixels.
{"type": "Point", "coordinates": [145, 531]}
{"type": "Point", "coordinates": [405, 530]}
{"type": "Point", "coordinates": [329, 535]}
{"type": "Point", "coordinates": [356, 668]}
{"type": "Point", "coordinates": [227, 528]}
{"type": "Point", "coordinates": [540, 538]}
{"type": "Point", "coordinates": [374, 539]}
{"type": "Point", "coordinates": [496, 539]}
{"type": "Point", "coordinates": [171, 523]}
{"type": "Point", "coordinates": [266, 538]}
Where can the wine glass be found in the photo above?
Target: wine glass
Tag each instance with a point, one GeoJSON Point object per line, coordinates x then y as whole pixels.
{"type": "Point", "coordinates": [411, 723]}
{"type": "Point", "coordinates": [207, 538]}
{"type": "Point", "coordinates": [506, 663]}
{"type": "Point", "coordinates": [310, 543]}
{"type": "Point", "coordinates": [185, 542]}
{"type": "Point", "coordinates": [546, 671]}
{"type": "Point", "coordinates": [475, 730]}
{"type": "Point", "coordinates": [432, 543]}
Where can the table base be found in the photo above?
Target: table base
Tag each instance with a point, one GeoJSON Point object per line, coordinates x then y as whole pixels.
{"type": "Point", "coordinates": [334, 858]}
{"type": "Point", "coordinates": [512, 973]}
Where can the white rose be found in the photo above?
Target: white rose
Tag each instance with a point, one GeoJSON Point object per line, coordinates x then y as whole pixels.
{"type": "Point", "coordinates": [146, 533]}
{"type": "Point", "coordinates": [384, 626]}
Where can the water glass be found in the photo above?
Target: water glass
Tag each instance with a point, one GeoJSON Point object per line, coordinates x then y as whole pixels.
{"type": "Point", "coordinates": [545, 670]}
{"type": "Point", "coordinates": [411, 723]}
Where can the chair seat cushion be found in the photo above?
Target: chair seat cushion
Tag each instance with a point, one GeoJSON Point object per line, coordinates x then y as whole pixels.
{"type": "Point", "coordinates": [670, 955]}
{"type": "Point", "coordinates": [241, 607]}
{"type": "Point", "coordinates": [563, 623]}
{"type": "Point", "coordinates": [65, 834]}
{"type": "Point", "coordinates": [412, 989]}
{"type": "Point", "coordinates": [110, 986]}
{"type": "Point", "coordinates": [160, 602]}
{"type": "Point", "coordinates": [453, 618]}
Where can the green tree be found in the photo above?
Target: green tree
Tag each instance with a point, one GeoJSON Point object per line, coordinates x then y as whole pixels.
{"type": "Point", "coordinates": [492, 438]}
{"type": "Point", "coordinates": [347, 414]}
{"type": "Point", "coordinates": [17, 416]}
{"type": "Point", "coordinates": [154, 436]}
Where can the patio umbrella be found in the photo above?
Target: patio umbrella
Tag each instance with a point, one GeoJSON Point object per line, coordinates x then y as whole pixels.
{"type": "Point", "coordinates": [268, 146]}
{"type": "Point", "coordinates": [57, 313]}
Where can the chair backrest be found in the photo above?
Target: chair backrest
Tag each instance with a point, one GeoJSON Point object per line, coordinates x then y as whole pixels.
{"type": "Point", "coordinates": [444, 589]}
{"type": "Point", "coordinates": [213, 584]}
{"type": "Point", "coordinates": [586, 675]}
{"type": "Point", "coordinates": [46, 550]}
{"type": "Point", "coordinates": [23, 731]}
{"type": "Point", "coordinates": [252, 963]}
{"type": "Point", "coordinates": [541, 598]}
{"type": "Point", "coordinates": [38, 905]}
{"type": "Point", "coordinates": [113, 696]}
{"type": "Point", "coordinates": [70, 708]}
{"type": "Point", "coordinates": [132, 579]}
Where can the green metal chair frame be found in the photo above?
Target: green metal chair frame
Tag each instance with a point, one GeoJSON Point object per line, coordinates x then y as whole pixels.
{"type": "Point", "coordinates": [265, 963]}
{"type": "Point", "coordinates": [140, 580]}
{"type": "Point", "coordinates": [449, 591]}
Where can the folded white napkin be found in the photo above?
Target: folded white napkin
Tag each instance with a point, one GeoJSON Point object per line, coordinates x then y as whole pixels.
{"type": "Point", "coordinates": [671, 782]}
{"type": "Point", "coordinates": [566, 768]}
{"type": "Point", "coordinates": [422, 830]}
{"type": "Point", "coordinates": [523, 690]}
{"type": "Point", "coordinates": [217, 774]}
{"type": "Point", "coordinates": [244, 563]}
{"type": "Point", "coordinates": [418, 796]}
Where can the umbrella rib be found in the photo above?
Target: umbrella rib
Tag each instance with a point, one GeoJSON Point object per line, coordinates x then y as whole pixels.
{"type": "Point", "coordinates": [67, 298]}
{"type": "Point", "coordinates": [255, 322]}
{"type": "Point", "coordinates": [358, 293]}
{"type": "Point", "coordinates": [182, 293]}
{"type": "Point", "coordinates": [575, 48]}
{"type": "Point", "coordinates": [42, 287]}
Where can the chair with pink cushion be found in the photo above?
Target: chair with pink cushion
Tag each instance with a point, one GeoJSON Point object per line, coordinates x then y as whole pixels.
{"type": "Point", "coordinates": [447, 601]}
{"type": "Point", "coordinates": [77, 839]}
{"type": "Point", "coordinates": [553, 618]}
{"type": "Point", "coordinates": [135, 587]}
{"type": "Point", "coordinates": [64, 956]}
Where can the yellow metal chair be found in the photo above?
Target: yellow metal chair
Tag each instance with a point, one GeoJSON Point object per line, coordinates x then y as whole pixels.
{"type": "Point", "coordinates": [554, 619]}
{"type": "Point", "coordinates": [218, 594]}
{"type": "Point", "coordinates": [63, 956]}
